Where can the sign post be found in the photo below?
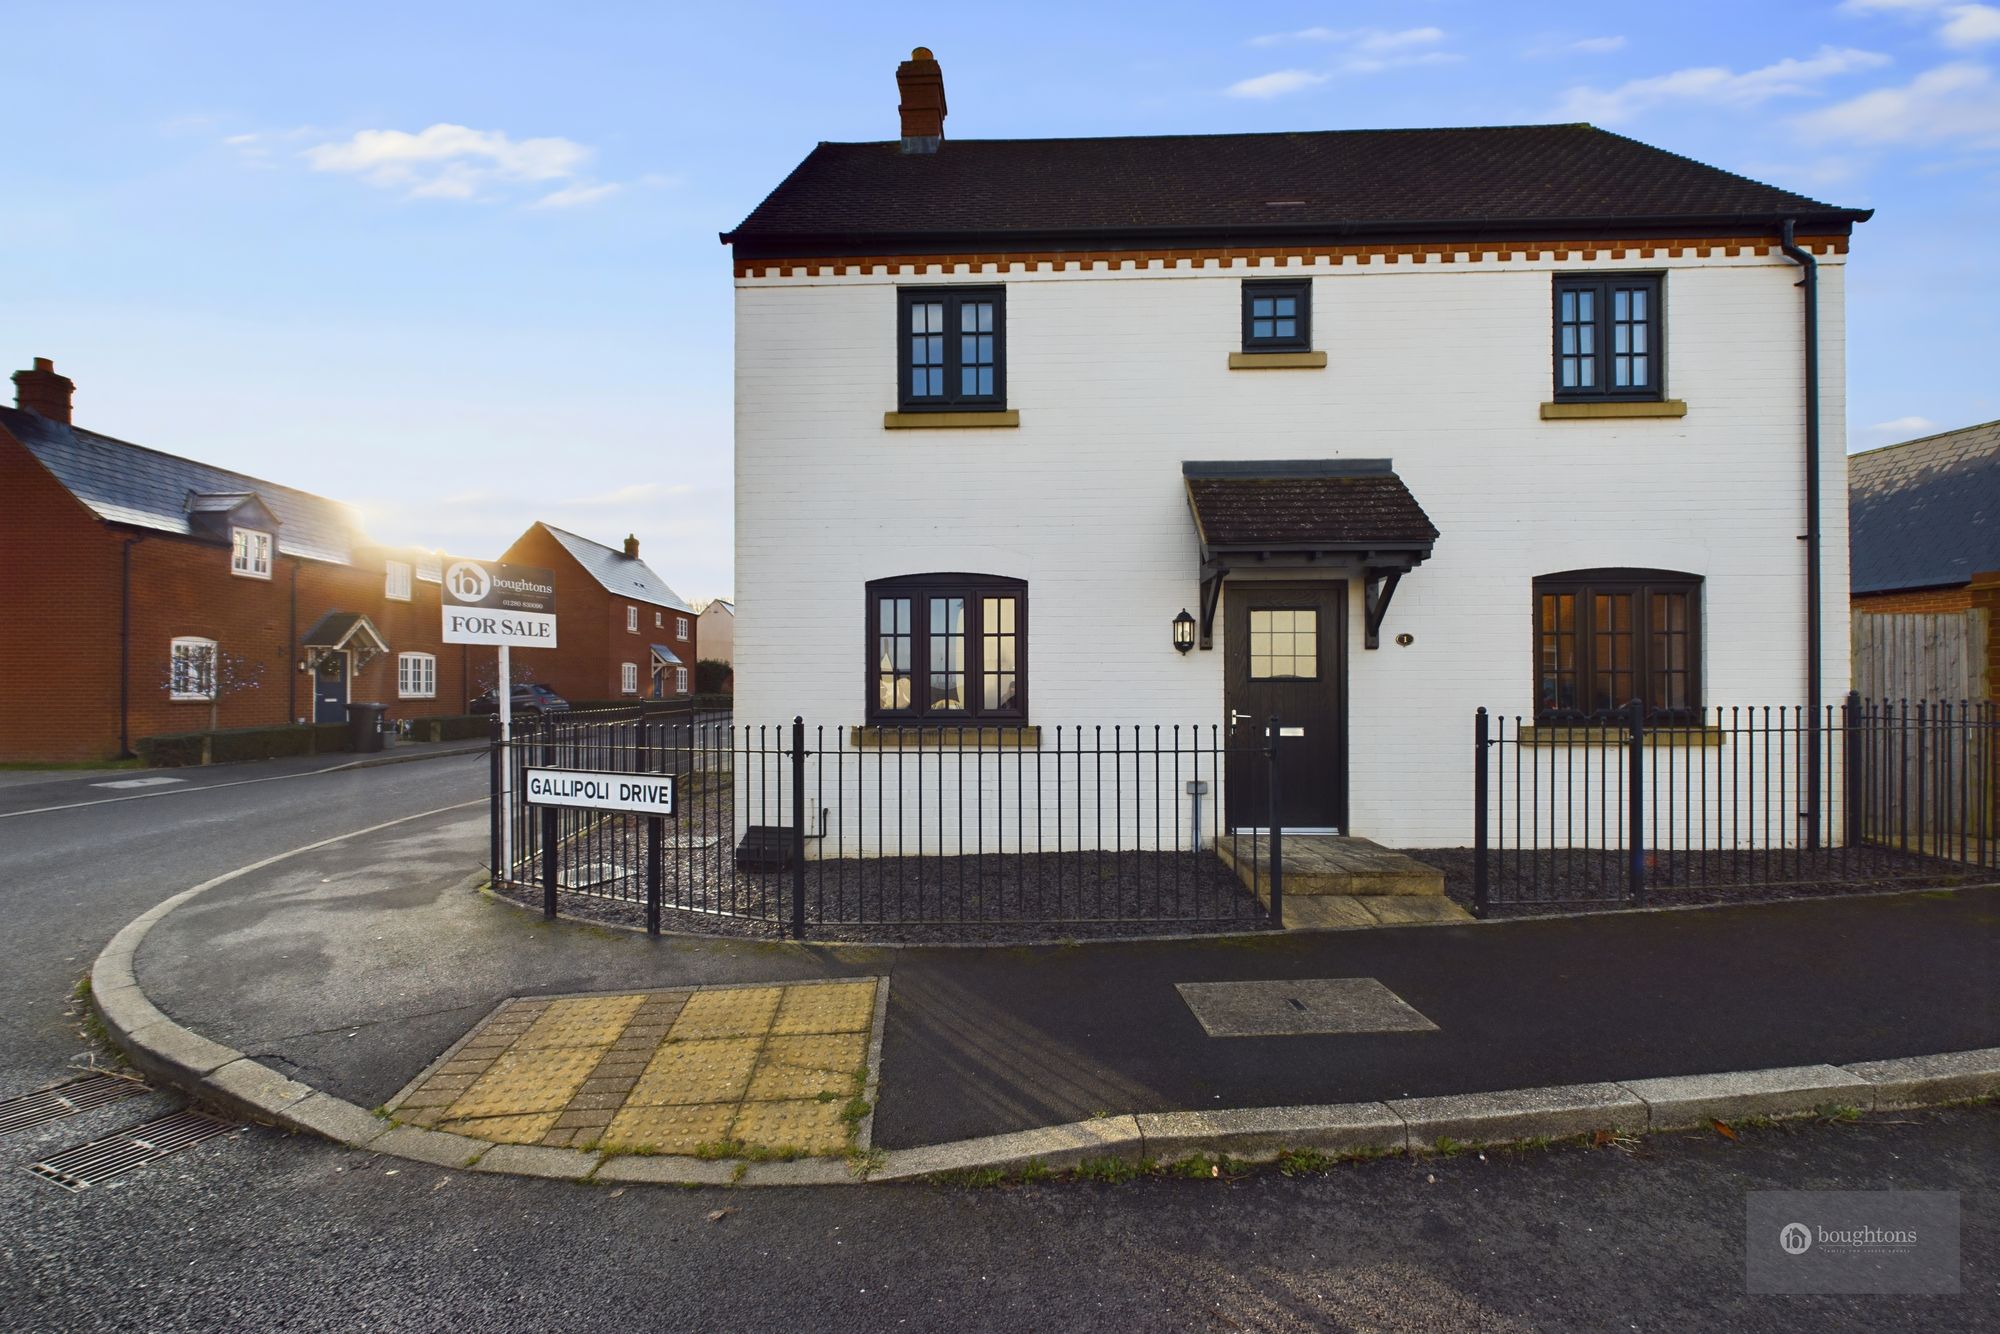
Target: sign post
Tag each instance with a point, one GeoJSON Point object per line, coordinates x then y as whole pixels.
{"type": "Point", "coordinates": [651, 795]}
{"type": "Point", "coordinates": [502, 606]}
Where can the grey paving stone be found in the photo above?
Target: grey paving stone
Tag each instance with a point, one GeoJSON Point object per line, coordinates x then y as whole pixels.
{"type": "Point", "coordinates": [1695, 1100]}
{"type": "Point", "coordinates": [536, 1160]}
{"type": "Point", "coordinates": [430, 1146]}
{"type": "Point", "coordinates": [1051, 1146]}
{"type": "Point", "coordinates": [667, 1170]}
{"type": "Point", "coordinates": [1264, 1132]}
{"type": "Point", "coordinates": [1489, 1118]}
{"type": "Point", "coordinates": [799, 1172]}
{"type": "Point", "coordinates": [335, 1119]}
{"type": "Point", "coordinates": [1915, 1081]}
{"type": "Point", "coordinates": [1301, 1005]}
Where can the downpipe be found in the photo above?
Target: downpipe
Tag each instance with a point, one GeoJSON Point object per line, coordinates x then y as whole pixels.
{"type": "Point", "coordinates": [1809, 283]}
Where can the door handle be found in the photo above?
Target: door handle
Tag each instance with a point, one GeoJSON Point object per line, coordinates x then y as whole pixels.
{"type": "Point", "coordinates": [1238, 719]}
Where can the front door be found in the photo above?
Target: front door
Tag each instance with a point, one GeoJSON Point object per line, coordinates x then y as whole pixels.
{"type": "Point", "coordinates": [330, 688]}
{"type": "Point", "coordinates": [1286, 655]}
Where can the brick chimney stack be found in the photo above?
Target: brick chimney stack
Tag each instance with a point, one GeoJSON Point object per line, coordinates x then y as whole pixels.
{"type": "Point", "coordinates": [43, 392]}
{"type": "Point", "coordinates": [921, 84]}
{"type": "Point", "coordinates": [631, 546]}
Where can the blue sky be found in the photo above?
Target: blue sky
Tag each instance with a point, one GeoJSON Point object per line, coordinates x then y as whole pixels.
{"type": "Point", "coordinates": [457, 262]}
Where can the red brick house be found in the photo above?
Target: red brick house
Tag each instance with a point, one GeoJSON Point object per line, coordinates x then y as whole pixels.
{"type": "Point", "coordinates": [624, 633]}
{"type": "Point", "coordinates": [148, 594]}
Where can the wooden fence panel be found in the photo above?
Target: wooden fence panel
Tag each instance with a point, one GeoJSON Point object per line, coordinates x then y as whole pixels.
{"type": "Point", "coordinates": [1921, 655]}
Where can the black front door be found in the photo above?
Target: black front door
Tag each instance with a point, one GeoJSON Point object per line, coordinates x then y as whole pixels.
{"type": "Point", "coordinates": [1286, 655]}
{"type": "Point", "coordinates": [330, 688]}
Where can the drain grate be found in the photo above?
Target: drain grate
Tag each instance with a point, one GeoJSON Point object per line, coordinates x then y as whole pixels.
{"type": "Point", "coordinates": [85, 1166]}
{"type": "Point", "coordinates": [79, 1095]}
{"type": "Point", "coordinates": [589, 874]}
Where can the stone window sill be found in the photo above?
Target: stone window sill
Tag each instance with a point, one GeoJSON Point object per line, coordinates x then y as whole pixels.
{"type": "Point", "coordinates": [1615, 736]}
{"type": "Point", "coordinates": [945, 738]}
{"type": "Point", "coordinates": [1572, 411]}
{"type": "Point", "coordinates": [949, 421]}
{"type": "Point", "coordinates": [1277, 361]}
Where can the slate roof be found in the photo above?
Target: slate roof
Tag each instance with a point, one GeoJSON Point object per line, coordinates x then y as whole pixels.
{"type": "Point", "coordinates": [1306, 505]}
{"type": "Point", "coordinates": [1925, 513]}
{"type": "Point", "coordinates": [130, 484]}
{"type": "Point", "coordinates": [1324, 182]}
{"type": "Point", "coordinates": [624, 575]}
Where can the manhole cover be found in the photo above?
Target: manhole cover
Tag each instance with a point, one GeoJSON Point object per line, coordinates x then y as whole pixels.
{"type": "Point", "coordinates": [1304, 1006]}
{"type": "Point", "coordinates": [86, 1165]}
{"type": "Point", "coordinates": [589, 875]}
{"type": "Point", "coordinates": [78, 1095]}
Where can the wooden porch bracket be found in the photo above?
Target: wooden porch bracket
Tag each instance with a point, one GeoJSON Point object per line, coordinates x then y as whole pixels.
{"type": "Point", "coordinates": [1381, 590]}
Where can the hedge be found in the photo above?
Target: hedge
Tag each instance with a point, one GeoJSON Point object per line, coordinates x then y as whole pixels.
{"type": "Point", "coordinates": [452, 727]}
{"type": "Point", "coordinates": [230, 744]}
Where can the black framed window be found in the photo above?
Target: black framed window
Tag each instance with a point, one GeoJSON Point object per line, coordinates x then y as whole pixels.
{"type": "Point", "coordinates": [1606, 637]}
{"type": "Point", "coordinates": [1609, 337]}
{"type": "Point", "coordinates": [1277, 315]}
{"type": "Point", "coordinates": [947, 648]}
{"type": "Point", "coordinates": [953, 344]}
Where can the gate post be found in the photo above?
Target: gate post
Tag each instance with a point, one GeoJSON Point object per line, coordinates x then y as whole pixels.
{"type": "Point", "coordinates": [1479, 796]}
{"type": "Point", "coordinates": [1635, 794]}
{"type": "Point", "coordinates": [1850, 777]}
{"type": "Point", "coordinates": [799, 826]}
{"type": "Point", "coordinates": [1277, 828]}
{"type": "Point", "coordinates": [495, 757]}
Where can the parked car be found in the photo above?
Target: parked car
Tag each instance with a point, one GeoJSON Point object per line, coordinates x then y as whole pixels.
{"type": "Point", "coordinates": [527, 699]}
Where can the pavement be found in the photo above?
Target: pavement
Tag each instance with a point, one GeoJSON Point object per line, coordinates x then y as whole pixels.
{"type": "Point", "coordinates": [351, 967]}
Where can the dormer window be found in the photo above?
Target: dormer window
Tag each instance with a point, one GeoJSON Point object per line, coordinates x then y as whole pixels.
{"type": "Point", "coordinates": [397, 584]}
{"type": "Point", "coordinates": [250, 553]}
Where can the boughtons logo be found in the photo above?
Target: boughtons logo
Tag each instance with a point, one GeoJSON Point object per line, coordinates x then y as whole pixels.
{"type": "Point", "coordinates": [1795, 1238]}
{"type": "Point", "coordinates": [468, 581]}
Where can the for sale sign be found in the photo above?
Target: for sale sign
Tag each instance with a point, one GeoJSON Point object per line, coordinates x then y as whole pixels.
{"type": "Point", "coordinates": [486, 602]}
{"type": "Point", "coordinates": [638, 794]}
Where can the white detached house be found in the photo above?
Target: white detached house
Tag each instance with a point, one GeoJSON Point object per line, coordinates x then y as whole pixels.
{"type": "Point", "coordinates": [1407, 421]}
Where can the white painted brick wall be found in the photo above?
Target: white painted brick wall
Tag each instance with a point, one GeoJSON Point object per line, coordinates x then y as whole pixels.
{"type": "Point", "coordinates": [1120, 376]}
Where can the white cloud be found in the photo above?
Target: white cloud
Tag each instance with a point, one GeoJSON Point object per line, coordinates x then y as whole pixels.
{"type": "Point", "coordinates": [1598, 45]}
{"type": "Point", "coordinates": [1789, 77]}
{"type": "Point", "coordinates": [1896, 430]}
{"type": "Point", "coordinates": [1951, 102]}
{"type": "Point", "coordinates": [1970, 25]}
{"type": "Point", "coordinates": [456, 162]}
{"type": "Point", "coordinates": [1372, 40]}
{"type": "Point", "coordinates": [1276, 84]}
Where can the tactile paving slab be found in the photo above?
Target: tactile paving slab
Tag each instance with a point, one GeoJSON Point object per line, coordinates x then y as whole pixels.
{"type": "Point", "coordinates": [767, 1070]}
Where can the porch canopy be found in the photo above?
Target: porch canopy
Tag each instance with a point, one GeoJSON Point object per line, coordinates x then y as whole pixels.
{"type": "Point", "coordinates": [338, 630]}
{"type": "Point", "coordinates": [1303, 513]}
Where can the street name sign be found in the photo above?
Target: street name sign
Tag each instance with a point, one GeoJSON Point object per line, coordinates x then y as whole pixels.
{"type": "Point", "coordinates": [509, 606]}
{"type": "Point", "coordinates": [636, 794]}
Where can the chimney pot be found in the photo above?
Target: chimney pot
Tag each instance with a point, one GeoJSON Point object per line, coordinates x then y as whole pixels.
{"type": "Point", "coordinates": [43, 392]}
{"type": "Point", "coordinates": [921, 85]}
{"type": "Point", "coordinates": [631, 546]}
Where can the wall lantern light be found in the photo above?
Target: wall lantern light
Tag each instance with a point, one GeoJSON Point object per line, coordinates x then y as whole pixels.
{"type": "Point", "coordinates": [1183, 631]}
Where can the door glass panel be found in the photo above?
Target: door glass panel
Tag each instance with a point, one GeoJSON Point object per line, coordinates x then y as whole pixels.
{"type": "Point", "coordinates": [1284, 644]}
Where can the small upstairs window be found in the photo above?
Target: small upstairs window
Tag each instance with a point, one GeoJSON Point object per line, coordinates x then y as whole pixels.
{"type": "Point", "coordinates": [953, 343]}
{"type": "Point", "coordinates": [250, 553]}
{"type": "Point", "coordinates": [396, 585]}
{"type": "Point", "coordinates": [1608, 337]}
{"type": "Point", "coordinates": [632, 620]}
{"type": "Point", "coordinates": [1277, 315]}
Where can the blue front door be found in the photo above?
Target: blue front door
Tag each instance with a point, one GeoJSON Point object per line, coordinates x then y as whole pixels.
{"type": "Point", "coordinates": [330, 689]}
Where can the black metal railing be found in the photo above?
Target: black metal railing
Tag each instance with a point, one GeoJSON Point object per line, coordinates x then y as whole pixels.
{"type": "Point", "coordinates": [1619, 807]}
{"type": "Point", "coordinates": [796, 830]}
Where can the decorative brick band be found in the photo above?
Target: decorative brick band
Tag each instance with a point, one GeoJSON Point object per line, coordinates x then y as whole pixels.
{"type": "Point", "coordinates": [1441, 252]}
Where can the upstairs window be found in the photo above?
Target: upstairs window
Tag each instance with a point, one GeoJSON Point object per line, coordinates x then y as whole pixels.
{"type": "Point", "coordinates": [1277, 315]}
{"type": "Point", "coordinates": [680, 627]}
{"type": "Point", "coordinates": [632, 620]}
{"type": "Point", "coordinates": [1608, 342]}
{"type": "Point", "coordinates": [1604, 638]}
{"type": "Point", "coordinates": [953, 344]}
{"type": "Point", "coordinates": [396, 585]}
{"type": "Point", "coordinates": [658, 619]}
{"type": "Point", "coordinates": [947, 648]}
{"type": "Point", "coordinates": [191, 669]}
{"type": "Point", "coordinates": [250, 553]}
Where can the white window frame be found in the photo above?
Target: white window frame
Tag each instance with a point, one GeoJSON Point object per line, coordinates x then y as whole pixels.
{"type": "Point", "coordinates": [186, 645]}
{"type": "Point", "coordinates": [628, 678]}
{"type": "Point", "coordinates": [659, 619]}
{"type": "Point", "coordinates": [416, 676]}
{"type": "Point", "coordinates": [632, 620]}
{"type": "Point", "coordinates": [396, 577]}
{"type": "Point", "coordinates": [681, 628]}
{"type": "Point", "coordinates": [680, 680]}
{"type": "Point", "coordinates": [250, 552]}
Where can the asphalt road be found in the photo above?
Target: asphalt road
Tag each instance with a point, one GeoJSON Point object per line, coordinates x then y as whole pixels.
{"type": "Point", "coordinates": [264, 1231]}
